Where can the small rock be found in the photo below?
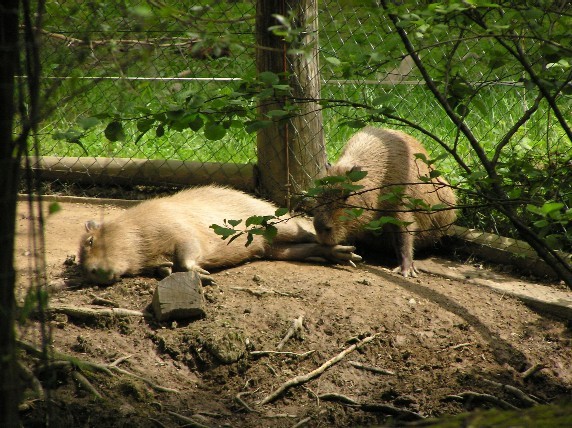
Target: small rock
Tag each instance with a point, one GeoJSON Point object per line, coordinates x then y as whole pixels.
{"type": "Point", "coordinates": [179, 296]}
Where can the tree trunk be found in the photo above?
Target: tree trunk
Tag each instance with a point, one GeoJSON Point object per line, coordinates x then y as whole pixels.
{"type": "Point", "coordinates": [9, 173]}
{"type": "Point", "coordinates": [291, 154]}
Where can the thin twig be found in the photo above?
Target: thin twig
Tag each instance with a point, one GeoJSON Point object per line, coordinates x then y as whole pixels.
{"type": "Point", "coordinates": [298, 380]}
{"type": "Point", "coordinates": [86, 384]}
{"type": "Point", "coordinates": [263, 292]}
{"type": "Point", "coordinates": [285, 353]}
{"type": "Point", "coordinates": [371, 368]}
{"type": "Point", "coordinates": [521, 395]}
{"type": "Point", "coordinates": [302, 422]}
{"type": "Point", "coordinates": [189, 421]}
{"type": "Point", "coordinates": [453, 347]}
{"type": "Point", "coordinates": [245, 406]}
{"type": "Point", "coordinates": [295, 330]}
{"type": "Point", "coordinates": [143, 379]}
{"type": "Point", "coordinates": [532, 370]}
{"type": "Point", "coordinates": [470, 396]}
{"type": "Point", "coordinates": [119, 361]}
{"type": "Point", "coordinates": [402, 414]}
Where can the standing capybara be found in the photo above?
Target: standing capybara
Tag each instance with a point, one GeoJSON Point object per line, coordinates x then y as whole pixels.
{"type": "Point", "coordinates": [173, 234]}
{"type": "Point", "coordinates": [389, 159]}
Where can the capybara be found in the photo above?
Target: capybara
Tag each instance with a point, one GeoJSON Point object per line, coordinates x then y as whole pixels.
{"type": "Point", "coordinates": [389, 159]}
{"type": "Point", "coordinates": [172, 234]}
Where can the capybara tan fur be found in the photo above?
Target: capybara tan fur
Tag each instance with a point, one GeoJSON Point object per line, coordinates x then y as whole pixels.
{"type": "Point", "coordinates": [173, 234]}
{"type": "Point", "coordinates": [389, 158]}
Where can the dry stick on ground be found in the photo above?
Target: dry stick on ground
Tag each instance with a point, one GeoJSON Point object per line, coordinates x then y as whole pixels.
{"type": "Point", "coordinates": [403, 414]}
{"type": "Point", "coordinates": [285, 353]}
{"type": "Point", "coordinates": [86, 384]}
{"type": "Point", "coordinates": [28, 375]}
{"type": "Point", "coordinates": [189, 422]}
{"type": "Point", "coordinates": [91, 313]}
{"type": "Point", "coordinates": [295, 330]}
{"type": "Point", "coordinates": [263, 291]}
{"type": "Point", "coordinates": [371, 368]}
{"type": "Point", "coordinates": [532, 370]}
{"type": "Point", "coordinates": [81, 364]}
{"type": "Point", "coordinates": [521, 395]}
{"type": "Point", "coordinates": [239, 400]}
{"type": "Point", "coordinates": [298, 380]}
{"type": "Point", "coordinates": [475, 397]}
{"type": "Point", "coordinates": [453, 347]}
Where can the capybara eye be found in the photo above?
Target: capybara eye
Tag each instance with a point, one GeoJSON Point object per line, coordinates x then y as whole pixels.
{"type": "Point", "coordinates": [90, 241]}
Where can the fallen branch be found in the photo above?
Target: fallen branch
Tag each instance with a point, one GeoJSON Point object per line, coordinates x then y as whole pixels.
{"type": "Point", "coordinates": [295, 330]}
{"type": "Point", "coordinates": [302, 422]}
{"type": "Point", "coordinates": [470, 397]}
{"type": "Point", "coordinates": [532, 370]}
{"type": "Point", "coordinates": [298, 380]}
{"type": "Point", "coordinates": [521, 395]}
{"type": "Point", "coordinates": [86, 384]}
{"type": "Point", "coordinates": [245, 406]}
{"type": "Point", "coordinates": [91, 313]}
{"type": "Point", "coordinates": [402, 414]}
{"type": "Point", "coordinates": [64, 360]}
{"type": "Point", "coordinates": [371, 368]}
{"type": "Point", "coordinates": [144, 379]}
{"type": "Point", "coordinates": [453, 347]}
{"type": "Point", "coordinates": [29, 376]}
{"type": "Point", "coordinates": [264, 292]}
{"type": "Point", "coordinates": [285, 353]}
{"type": "Point", "coordinates": [189, 421]}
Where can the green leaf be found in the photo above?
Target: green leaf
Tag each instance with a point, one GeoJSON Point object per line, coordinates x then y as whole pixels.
{"type": "Point", "coordinates": [356, 175]}
{"type": "Point", "coordinates": [251, 127]}
{"type": "Point", "coordinates": [277, 114]}
{"type": "Point", "coordinates": [280, 212]}
{"type": "Point", "coordinates": [196, 123]}
{"type": "Point", "coordinates": [333, 60]}
{"type": "Point", "coordinates": [144, 125]}
{"type": "Point", "coordinates": [114, 131]}
{"type": "Point", "coordinates": [224, 232]}
{"type": "Point", "coordinates": [88, 122]}
{"type": "Point", "coordinates": [549, 207]}
{"type": "Point", "coordinates": [234, 223]}
{"type": "Point", "coordinates": [270, 233]}
{"type": "Point", "coordinates": [54, 207]}
{"type": "Point", "coordinates": [269, 78]}
{"type": "Point", "coordinates": [214, 131]}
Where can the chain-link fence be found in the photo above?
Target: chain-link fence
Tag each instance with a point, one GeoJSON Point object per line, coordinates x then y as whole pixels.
{"type": "Point", "coordinates": [132, 59]}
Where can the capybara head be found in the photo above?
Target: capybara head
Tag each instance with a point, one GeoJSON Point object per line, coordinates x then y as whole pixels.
{"type": "Point", "coordinates": [332, 221]}
{"type": "Point", "coordinates": [98, 256]}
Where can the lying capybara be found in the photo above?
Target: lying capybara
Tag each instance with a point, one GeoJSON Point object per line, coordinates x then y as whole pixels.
{"type": "Point", "coordinates": [389, 159]}
{"type": "Point", "coordinates": [173, 234]}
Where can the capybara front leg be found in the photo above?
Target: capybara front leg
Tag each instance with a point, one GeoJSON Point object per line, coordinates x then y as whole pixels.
{"type": "Point", "coordinates": [186, 254]}
{"type": "Point", "coordinates": [403, 244]}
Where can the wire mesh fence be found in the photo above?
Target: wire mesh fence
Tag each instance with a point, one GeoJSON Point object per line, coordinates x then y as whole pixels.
{"type": "Point", "coordinates": [135, 58]}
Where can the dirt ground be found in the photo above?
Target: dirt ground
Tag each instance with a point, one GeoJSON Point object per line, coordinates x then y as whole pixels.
{"type": "Point", "coordinates": [441, 345]}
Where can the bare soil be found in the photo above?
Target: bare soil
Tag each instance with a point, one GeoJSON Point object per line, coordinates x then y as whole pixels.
{"type": "Point", "coordinates": [436, 338]}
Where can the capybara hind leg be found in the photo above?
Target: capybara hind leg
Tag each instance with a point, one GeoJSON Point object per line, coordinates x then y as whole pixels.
{"type": "Point", "coordinates": [313, 252]}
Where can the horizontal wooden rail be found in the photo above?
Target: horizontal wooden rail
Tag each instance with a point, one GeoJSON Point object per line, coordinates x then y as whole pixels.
{"type": "Point", "coordinates": [158, 172]}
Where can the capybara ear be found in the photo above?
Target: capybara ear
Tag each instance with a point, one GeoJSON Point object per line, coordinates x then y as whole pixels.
{"type": "Point", "coordinates": [92, 225]}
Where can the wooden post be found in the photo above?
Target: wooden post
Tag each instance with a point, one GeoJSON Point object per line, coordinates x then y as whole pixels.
{"type": "Point", "coordinates": [291, 154]}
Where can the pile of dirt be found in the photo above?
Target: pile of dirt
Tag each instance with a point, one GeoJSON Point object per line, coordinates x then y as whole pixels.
{"type": "Point", "coordinates": [406, 348]}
